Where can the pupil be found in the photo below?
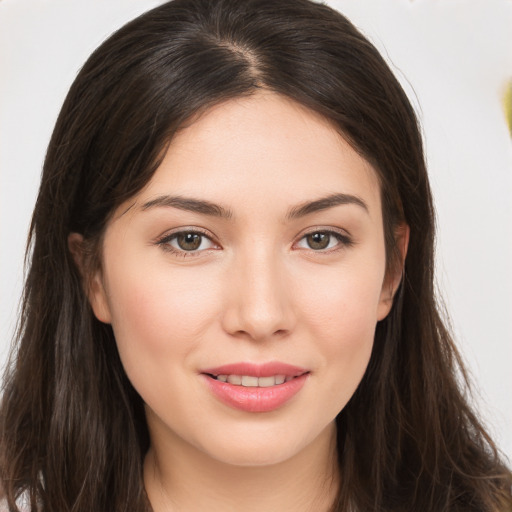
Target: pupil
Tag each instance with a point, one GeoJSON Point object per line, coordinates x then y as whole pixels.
{"type": "Point", "coordinates": [318, 240]}
{"type": "Point", "coordinates": [189, 241]}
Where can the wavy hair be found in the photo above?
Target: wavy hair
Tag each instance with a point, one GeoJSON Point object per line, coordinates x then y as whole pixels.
{"type": "Point", "coordinates": [73, 433]}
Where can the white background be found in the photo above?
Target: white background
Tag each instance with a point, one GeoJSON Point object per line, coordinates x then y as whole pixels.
{"type": "Point", "coordinates": [453, 58]}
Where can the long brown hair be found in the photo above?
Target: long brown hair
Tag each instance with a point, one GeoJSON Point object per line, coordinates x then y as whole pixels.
{"type": "Point", "coordinates": [73, 432]}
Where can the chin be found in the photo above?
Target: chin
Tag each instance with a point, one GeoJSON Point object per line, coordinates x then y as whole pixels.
{"type": "Point", "coordinates": [253, 449]}
{"type": "Point", "coordinates": [254, 456]}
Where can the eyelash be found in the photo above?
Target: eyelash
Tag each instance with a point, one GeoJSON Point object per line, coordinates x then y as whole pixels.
{"type": "Point", "coordinates": [344, 241]}
{"type": "Point", "coordinates": [165, 241]}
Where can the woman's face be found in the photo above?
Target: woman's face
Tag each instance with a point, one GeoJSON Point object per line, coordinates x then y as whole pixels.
{"type": "Point", "coordinates": [258, 244]}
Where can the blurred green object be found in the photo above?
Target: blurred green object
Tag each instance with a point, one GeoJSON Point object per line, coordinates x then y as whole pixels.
{"type": "Point", "coordinates": [507, 104]}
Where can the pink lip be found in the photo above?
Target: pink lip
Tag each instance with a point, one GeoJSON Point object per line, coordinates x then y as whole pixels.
{"type": "Point", "coordinates": [257, 370]}
{"type": "Point", "coordinates": [255, 399]}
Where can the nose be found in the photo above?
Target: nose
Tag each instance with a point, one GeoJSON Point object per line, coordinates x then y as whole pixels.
{"type": "Point", "coordinates": [259, 303]}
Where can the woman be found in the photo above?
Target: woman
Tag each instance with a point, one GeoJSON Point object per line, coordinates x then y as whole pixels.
{"type": "Point", "coordinates": [230, 298]}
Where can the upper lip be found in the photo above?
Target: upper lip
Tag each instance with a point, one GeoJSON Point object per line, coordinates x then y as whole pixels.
{"type": "Point", "coordinates": [257, 369]}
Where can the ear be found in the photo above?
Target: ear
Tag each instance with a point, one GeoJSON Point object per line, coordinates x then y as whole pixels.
{"type": "Point", "coordinates": [394, 275]}
{"type": "Point", "coordinates": [93, 281]}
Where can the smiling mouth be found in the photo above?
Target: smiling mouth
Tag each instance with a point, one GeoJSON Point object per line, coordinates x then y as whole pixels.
{"type": "Point", "coordinates": [269, 387]}
{"type": "Point", "coordinates": [250, 381]}
{"type": "Point", "coordinates": [255, 387]}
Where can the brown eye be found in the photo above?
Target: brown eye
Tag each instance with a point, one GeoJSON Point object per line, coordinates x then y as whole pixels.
{"type": "Point", "coordinates": [189, 241]}
{"type": "Point", "coordinates": [324, 241]}
{"type": "Point", "coordinates": [318, 241]}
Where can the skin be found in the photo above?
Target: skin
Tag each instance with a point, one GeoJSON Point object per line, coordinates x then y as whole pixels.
{"type": "Point", "coordinates": [255, 290]}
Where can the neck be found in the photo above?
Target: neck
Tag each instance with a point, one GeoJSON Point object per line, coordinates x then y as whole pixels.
{"type": "Point", "coordinates": [188, 479]}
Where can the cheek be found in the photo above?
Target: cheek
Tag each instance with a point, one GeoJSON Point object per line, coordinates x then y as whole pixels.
{"type": "Point", "coordinates": [343, 305]}
{"type": "Point", "coordinates": [158, 316]}
{"type": "Point", "coordinates": [341, 314]}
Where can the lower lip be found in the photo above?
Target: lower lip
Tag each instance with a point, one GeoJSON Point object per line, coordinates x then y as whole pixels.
{"type": "Point", "coordinates": [255, 399]}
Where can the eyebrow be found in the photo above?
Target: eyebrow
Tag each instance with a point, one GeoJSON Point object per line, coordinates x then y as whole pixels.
{"type": "Point", "coordinates": [208, 208]}
{"type": "Point", "coordinates": [189, 204]}
{"type": "Point", "coordinates": [325, 203]}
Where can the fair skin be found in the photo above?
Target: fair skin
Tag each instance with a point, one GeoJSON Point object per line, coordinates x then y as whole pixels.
{"type": "Point", "coordinates": [260, 277]}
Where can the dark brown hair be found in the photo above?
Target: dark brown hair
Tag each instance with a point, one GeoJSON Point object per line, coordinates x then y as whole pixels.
{"type": "Point", "coordinates": [73, 432]}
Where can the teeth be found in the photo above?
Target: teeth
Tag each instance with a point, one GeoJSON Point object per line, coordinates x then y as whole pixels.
{"type": "Point", "coordinates": [235, 379]}
{"type": "Point", "coordinates": [265, 382]}
{"type": "Point", "coordinates": [249, 382]}
{"type": "Point", "coordinates": [252, 382]}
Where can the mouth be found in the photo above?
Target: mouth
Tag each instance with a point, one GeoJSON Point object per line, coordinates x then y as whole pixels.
{"type": "Point", "coordinates": [250, 381]}
{"type": "Point", "coordinates": [255, 387]}
{"type": "Point", "coordinates": [272, 373]}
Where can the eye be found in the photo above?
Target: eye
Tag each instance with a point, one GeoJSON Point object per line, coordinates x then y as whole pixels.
{"type": "Point", "coordinates": [324, 240]}
{"type": "Point", "coordinates": [184, 242]}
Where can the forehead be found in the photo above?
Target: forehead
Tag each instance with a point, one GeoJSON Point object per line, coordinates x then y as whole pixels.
{"type": "Point", "coordinates": [262, 150]}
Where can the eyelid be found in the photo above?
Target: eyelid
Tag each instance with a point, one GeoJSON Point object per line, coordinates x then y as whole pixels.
{"type": "Point", "coordinates": [163, 240]}
{"type": "Point", "coordinates": [344, 238]}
